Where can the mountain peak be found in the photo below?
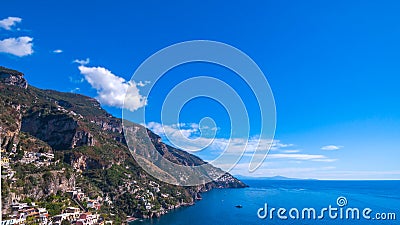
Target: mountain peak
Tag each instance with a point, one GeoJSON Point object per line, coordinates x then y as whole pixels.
{"type": "Point", "coordinates": [12, 77]}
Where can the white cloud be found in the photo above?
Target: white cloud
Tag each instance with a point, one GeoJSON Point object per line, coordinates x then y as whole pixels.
{"type": "Point", "coordinates": [331, 147]}
{"type": "Point", "coordinates": [187, 137]}
{"type": "Point", "coordinates": [9, 22]}
{"type": "Point", "coordinates": [183, 136]}
{"type": "Point", "coordinates": [247, 147]}
{"type": "Point", "coordinates": [324, 160]}
{"type": "Point", "coordinates": [290, 151]}
{"type": "Point", "coordinates": [20, 46]}
{"type": "Point", "coordinates": [277, 145]}
{"type": "Point", "coordinates": [142, 84]}
{"type": "Point", "coordinates": [112, 89]}
{"type": "Point", "coordinates": [250, 149]}
{"type": "Point", "coordinates": [296, 156]}
{"type": "Point", "coordinates": [82, 61]}
{"type": "Point", "coordinates": [187, 130]}
{"type": "Point", "coordinates": [75, 80]}
{"type": "Point", "coordinates": [75, 90]}
{"type": "Point", "coordinates": [57, 51]}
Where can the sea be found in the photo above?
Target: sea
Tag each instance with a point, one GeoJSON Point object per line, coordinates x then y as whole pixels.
{"type": "Point", "coordinates": [377, 202]}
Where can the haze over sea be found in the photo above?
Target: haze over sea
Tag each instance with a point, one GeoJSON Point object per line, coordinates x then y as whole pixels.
{"type": "Point", "coordinates": [218, 206]}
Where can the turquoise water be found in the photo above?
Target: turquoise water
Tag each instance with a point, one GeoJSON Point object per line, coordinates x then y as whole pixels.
{"type": "Point", "coordinates": [218, 206]}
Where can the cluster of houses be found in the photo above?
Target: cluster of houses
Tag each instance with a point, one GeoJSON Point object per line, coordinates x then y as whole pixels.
{"type": "Point", "coordinates": [7, 172]}
{"type": "Point", "coordinates": [75, 216]}
{"type": "Point", "coordinates": [78, 194]}
{"type": "Point", "coordinates": [5, 160]}
{"type": "Point", "coordinates": [144, 195]}
{"type": "Point", "coordinates": [37, 158]}
{"type": "Point", "coordinates": [23, 212]}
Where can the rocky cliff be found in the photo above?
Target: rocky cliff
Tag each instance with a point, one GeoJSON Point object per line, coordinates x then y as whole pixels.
{"type": "Point", "coordinates": [12, 77]}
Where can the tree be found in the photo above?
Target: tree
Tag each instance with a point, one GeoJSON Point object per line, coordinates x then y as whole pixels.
{"type": "Point", "coordinates": [3, 143]}
{"type": "Point", "coordinates": [10, 145]}
{"type": "Point", "coordinates": [31, 221]}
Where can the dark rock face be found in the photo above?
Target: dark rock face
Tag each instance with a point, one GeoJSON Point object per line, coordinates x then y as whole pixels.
{"type": "Point", "coordinates": [57, 130]}
{"type": "Point", "coordinates": [81, 162]}
{"type": "Point", "coordinates": [9, 130]}
{"type": "Point", "coordinates": [61, 132]}
{"type": "Point", "coordinates": [113, 125]}
{"type": "Point", "coordinates": [82, 138]}
{"type": "Point", "coordinates": [52, 183]}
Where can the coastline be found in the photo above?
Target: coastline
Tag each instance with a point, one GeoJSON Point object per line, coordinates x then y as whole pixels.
{"type": "Point", "coordinates": [197, 196]}
{"type": "Point", "coordinates": [219, 206]}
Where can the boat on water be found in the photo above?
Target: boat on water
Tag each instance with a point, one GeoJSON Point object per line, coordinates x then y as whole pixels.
{"type": "Point", "coordinates": [130, 219]}
{"type": "Point", "coordinates": [239, 206]}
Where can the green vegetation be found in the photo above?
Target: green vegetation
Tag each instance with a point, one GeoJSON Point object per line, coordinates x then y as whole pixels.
{"type": "Point", "coordinates": [55, 204]}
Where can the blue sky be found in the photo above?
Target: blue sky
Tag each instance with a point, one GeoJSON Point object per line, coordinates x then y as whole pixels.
{"type": "Point", "coordinates": [333, 67]}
